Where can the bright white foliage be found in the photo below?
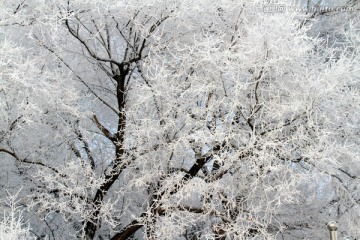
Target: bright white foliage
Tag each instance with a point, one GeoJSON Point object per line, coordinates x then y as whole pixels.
{"type": "Point", "coordinates": [228, 122]}
{"type": "Point", "coordinates": [12, 226]}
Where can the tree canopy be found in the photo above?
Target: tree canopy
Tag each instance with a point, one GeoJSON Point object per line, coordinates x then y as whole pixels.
{"type": "Point", "coordinates": [179, 119]}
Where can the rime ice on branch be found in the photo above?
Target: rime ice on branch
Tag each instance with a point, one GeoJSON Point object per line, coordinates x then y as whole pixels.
{"type": "Point", "coordinates": [179, 119]}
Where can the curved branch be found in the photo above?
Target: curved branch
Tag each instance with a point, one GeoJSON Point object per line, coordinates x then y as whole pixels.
{"type": "Point", "coordinates": [92, 54]}
{"type": "Point", "coordinates": [80, 79]}
{"type": "Point", "coordinates": [128, 231]}
{"type": "Point", "coordinates": [105, 131]}
{"type": "Point", "coordinates": [14, 155]}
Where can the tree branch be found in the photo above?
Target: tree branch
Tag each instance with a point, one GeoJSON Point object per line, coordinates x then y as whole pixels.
{"type": "Point", "coordinates": [105, 131]}
{"type": "Point", "coordinates": [13, 154]}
